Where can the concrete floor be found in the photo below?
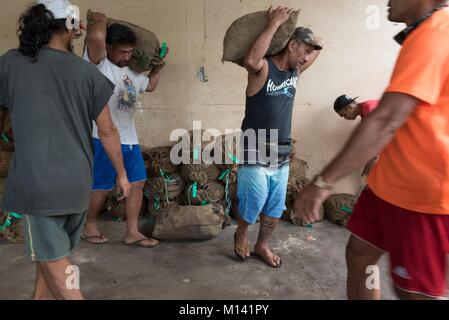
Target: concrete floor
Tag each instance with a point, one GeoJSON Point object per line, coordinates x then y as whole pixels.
{"type": "Point", "coordinates": [201, 270]}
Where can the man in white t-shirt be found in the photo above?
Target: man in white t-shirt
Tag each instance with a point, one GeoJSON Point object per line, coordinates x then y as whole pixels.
{"type": "Point", "coordinates": [111, 48]}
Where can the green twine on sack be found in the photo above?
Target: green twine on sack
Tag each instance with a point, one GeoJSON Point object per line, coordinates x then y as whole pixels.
{"type": "Point", "coordinates": [8, 222]}
{"type": "Point", "coordinates": [6, 225]}
{"type": "Point", "coordinates": [163, 174]}
{"type": "Point", "coordinates": [157, 203]}
{"type": "Point", "coordinates": [204, 203]}
{"type": "Point", "coordinates": [195, 190]}
{"type": "Point", "coordinates": [224, 174]}
{"type": "Point", "coordinates": [234, 158]}
{"type": "Point", "coordinates": [347, 210]}
{"type": "Point", "coordinates": [196, 154]}
{"type": "Point", "coordinates": [166, 178]}
{"type": "Point", "coordinates": [163, 52]}
{"type": "Point", "coordinates": [5, 138]}
{"type": "Point", "coordinates": [16, 215]}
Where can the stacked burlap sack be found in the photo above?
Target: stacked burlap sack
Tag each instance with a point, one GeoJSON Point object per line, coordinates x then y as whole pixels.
{"type": "Point", "coordinates": [195, 196]}
{"type": "Point", "coordinates": [11, 227]}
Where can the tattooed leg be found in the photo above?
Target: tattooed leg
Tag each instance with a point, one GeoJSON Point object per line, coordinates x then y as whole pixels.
{"type": "Point", "coordinates": [267, 226]}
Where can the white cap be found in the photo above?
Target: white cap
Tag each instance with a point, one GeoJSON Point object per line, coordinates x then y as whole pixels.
{"type": "Point", "coordinates": [61, 9]}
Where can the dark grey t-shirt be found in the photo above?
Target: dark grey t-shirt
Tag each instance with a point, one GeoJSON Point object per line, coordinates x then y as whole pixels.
{"type": "Point", "coordinates": [53, 103]}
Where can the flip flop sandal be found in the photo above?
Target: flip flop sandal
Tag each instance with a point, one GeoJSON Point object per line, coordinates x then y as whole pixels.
{"type": "Point", "coordinates": [138, 243]}
{"type": "Point", "coordinates": [237, 248]}
{"type": "Point", "coordinates": [268, 262]}
{"type": "Point", "coordinates": [89, 239]}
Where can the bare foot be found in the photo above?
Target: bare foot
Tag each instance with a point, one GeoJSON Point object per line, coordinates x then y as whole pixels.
{"type": "Point", "coordinates": [241, 246]}
{"type": "Point", "coordinates": [270, 258]}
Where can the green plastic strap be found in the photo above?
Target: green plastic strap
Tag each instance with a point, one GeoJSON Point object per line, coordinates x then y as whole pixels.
{"type": "Point", "coordinates": [196, 154]}
{"type": "Point", "coordinates": [157, 203]}
{"type": "Point", "coordinates": [8, 222]}
{"type": "Point", "coordinates": [347, 210]}
{"type": "Point", "coordinates": [224, 174]}
{"type": "Point", "coordinates": [163, 174]}
{"type": "Point", "coordinates": [6, 225]}
{"type": "Point", "coordinates": [16, 215]}
{"type": "Point", "coordinates": [195, 190]}
{"type": "Point", "coordinates": [5, 138]}
{"type": "Point", "coordinates": [163, 50]}
{"type": "Point", "coordinates": [233, 158]}
{"type": "Point", "coordinates": [309, 226]}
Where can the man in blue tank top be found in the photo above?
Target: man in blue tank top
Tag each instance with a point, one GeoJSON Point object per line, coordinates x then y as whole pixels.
{"type": "Point", "coordinates": [266, 139]}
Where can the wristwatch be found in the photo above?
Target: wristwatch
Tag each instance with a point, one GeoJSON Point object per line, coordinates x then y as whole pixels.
{"type": "Point", "coordinates": [320, 183]}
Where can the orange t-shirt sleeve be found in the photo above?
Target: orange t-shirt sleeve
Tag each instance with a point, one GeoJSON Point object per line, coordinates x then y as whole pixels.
{"type": "Point", "coordinates": [422, 66]}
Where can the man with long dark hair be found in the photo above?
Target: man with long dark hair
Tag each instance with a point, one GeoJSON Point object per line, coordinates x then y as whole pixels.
{"type": "Point", "coordinates": [53, 97]}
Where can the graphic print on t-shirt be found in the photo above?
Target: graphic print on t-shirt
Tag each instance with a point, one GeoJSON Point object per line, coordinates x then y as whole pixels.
{"type": "Point", "coordinates": [128, 97]}
{"type": "Point", "coordinates": [287, 88]}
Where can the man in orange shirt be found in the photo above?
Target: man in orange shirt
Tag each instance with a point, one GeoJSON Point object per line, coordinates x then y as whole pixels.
{"type": "Point", "coordinates": [405, 210]}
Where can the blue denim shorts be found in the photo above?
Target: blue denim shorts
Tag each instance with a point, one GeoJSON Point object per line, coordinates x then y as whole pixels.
{"type": "Point", "coordinates": [104, 173]}
{"type": "Point", "coordinates": [262, 190]}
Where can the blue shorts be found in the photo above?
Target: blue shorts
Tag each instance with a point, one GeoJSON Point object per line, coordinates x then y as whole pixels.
{"type": "Point", "coordinates": [262, 190]}
{"type": "Point", "coordinates": [105, 176]}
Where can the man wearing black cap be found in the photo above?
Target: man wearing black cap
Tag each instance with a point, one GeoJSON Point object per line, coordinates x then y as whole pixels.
{"type": "Point", "coordinates": [348, 108]}
{"type": "Point", "coordinates": [270, 98]}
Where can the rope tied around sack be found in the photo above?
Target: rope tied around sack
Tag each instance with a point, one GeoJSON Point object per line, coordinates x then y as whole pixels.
{"type": "Point", "coordinates": [9, 220]}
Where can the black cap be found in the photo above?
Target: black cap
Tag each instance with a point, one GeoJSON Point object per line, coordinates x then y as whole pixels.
{"type": "Point", "coordinates": [342, 102]}
{"type": "Point", "coordinates": [307, 36]}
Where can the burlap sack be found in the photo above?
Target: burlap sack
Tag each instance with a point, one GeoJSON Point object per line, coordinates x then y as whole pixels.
{"type": "Point", "coordinates": [200, 173]}
{"type": "Point", "coordinates": [298, 168]}
{"type": "Point", "coordinates": [145, 150]}
{"type": "Point", "coordinates": [233, 191]}
{"type": "Point", "coordinates": [211, 192]}
{"type": "Point", "coordinates": [159, 161]}
{"type": "Point", "coordinates": [14, 233]}
{"type": "Point", "coordinates": [7, 138]}
{"type": "Point", "coordinates": [186, 223]}
{"type": "Point", "coordinates": [228, 147]}
{"type": "Point", "coordinates": [114, 208]}
{"type": "Point", "coordinates": [295, 185]}
{"type": "Point", "coordinates": [2, 188]}
{"type": "Point", "coordinates": [245, 30]}
{"type": "Point", "coordinates": [293, 151]}
{"type": "Point", "coordinates": [229, 174]}
{"type": "Point", "coordinates": [156, 208]}
{"type": "Point", "coordinates": [146, 54]}
{"type": "Point", "coordinates": [163, 188]}
{"type": "Point", "coordinates": [6, 157]}
{"type": "Point", "coordinates": [338, 208]}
